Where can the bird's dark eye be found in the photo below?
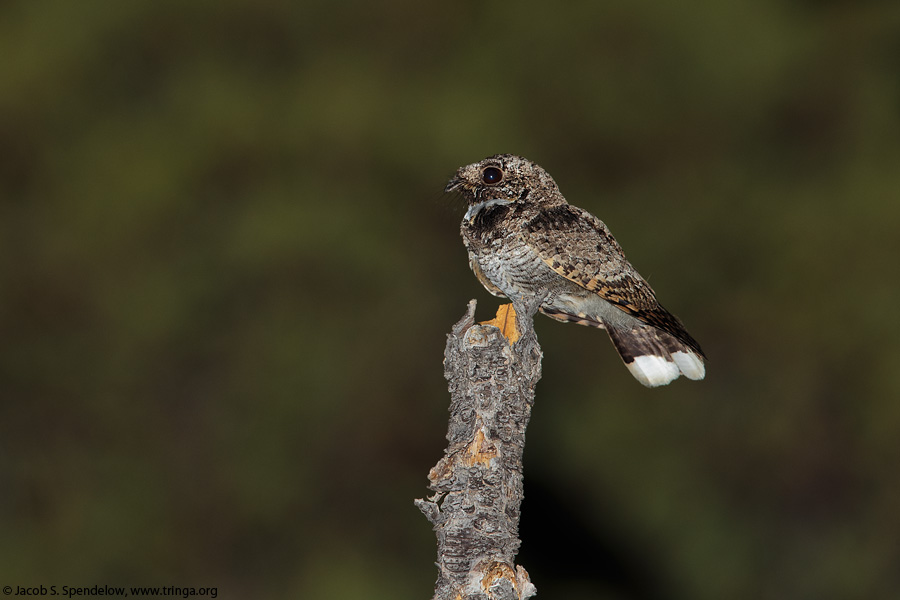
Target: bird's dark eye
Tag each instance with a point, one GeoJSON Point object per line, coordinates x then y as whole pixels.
{"type": "Point", "coordinates": [491, 175]}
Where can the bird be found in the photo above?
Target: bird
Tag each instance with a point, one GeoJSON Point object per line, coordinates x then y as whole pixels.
{"type": "Point", "coordinates": [525, 241]}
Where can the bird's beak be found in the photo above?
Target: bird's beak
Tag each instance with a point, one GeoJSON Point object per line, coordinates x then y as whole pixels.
{"type": "Point", "coordinates": [453, 184]}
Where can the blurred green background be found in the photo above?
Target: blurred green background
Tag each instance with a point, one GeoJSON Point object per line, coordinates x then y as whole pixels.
{"type": "Point", "coordinates": [228, 271]}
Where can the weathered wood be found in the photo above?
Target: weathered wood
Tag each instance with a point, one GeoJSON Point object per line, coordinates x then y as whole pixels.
{"type": "Point", "coordinates": [478, 482]}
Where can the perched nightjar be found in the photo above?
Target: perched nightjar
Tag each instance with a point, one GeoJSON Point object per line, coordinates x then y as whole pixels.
{"type": "Point", "coordinates": [525, 240]}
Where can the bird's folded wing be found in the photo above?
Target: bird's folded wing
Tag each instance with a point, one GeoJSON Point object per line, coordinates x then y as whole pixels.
{"type": "Point", "coordinates": [578, 246]}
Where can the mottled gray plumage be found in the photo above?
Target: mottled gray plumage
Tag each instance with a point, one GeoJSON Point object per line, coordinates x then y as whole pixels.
{"type": "Point", "coordinates": [524, 240]}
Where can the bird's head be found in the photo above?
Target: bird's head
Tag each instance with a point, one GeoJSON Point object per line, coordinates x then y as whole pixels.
{"type": "Point", "coordinates": [500, 180]}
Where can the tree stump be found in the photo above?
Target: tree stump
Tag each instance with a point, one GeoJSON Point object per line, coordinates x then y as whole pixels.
{"type": "Point", "coordinates": [492, 369]}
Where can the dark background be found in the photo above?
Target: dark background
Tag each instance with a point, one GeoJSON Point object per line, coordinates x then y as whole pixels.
{"type": "Point", "coordinates": [228, 270]}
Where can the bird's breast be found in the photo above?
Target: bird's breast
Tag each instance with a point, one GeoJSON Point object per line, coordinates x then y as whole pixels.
{"type": "Point", "coordinates": [507, 261]}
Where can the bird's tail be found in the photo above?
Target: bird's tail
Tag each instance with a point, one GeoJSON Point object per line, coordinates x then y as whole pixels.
{"type": "Point", "coordinates": [655, 357]}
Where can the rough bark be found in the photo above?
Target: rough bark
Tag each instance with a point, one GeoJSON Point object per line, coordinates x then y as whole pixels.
{"type": "Point", "coordinates": [478, 482]}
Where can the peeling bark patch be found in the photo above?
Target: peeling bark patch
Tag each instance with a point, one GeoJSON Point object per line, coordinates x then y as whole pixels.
{"type": "Point", "coordinates": [495, 572]}
{"type": "Point", "coordinates": [480, 451]}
